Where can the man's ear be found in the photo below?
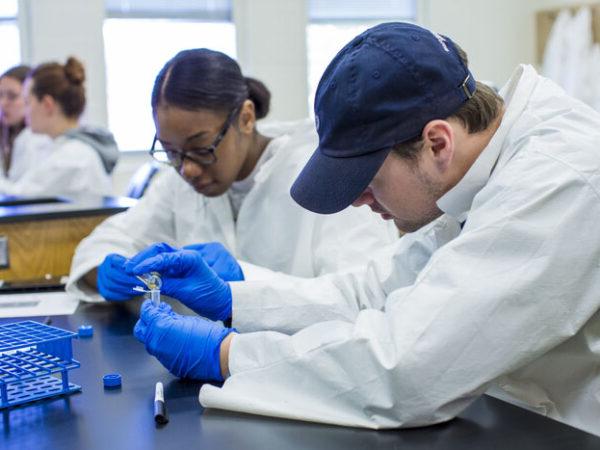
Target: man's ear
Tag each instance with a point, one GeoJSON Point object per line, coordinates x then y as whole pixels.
{"type": "Point", "coordinates": [438, 137]}
{"type": "Point", "coordinates": [247, 117]}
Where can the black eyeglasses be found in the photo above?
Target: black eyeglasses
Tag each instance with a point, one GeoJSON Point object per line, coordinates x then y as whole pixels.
{"type": "Point", "coordinates": [204, 156]}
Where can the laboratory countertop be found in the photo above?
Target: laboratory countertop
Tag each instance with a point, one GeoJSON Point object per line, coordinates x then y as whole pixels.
{"type": "Point", "coordinates": [16, 209]}
{"type": "Point", "coordinates": [123, 418]}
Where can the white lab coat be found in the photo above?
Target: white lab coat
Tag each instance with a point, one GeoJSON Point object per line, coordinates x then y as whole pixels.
{"type": "Point", "coordinates": [271, 231]}
{"type": "Point", "coordinates": [71, 168]}
{"type": "Point", "coordinates": [29, 149]}
{"type": "Point", "coordinates": [509, 301]}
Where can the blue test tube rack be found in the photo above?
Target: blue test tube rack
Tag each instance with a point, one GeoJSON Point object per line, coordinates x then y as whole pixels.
{"type": "Point", "coordinates": [35, 361]}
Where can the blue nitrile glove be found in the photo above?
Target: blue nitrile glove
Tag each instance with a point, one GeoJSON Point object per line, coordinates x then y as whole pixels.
{"type": "Point", "coordinates": [113, 282]}
{"type": "Point", "coordinates": [189, 347]}
{"type": "Point", "coordinates": [149, 252]}
{"type": "Point", "coordinates": [220, 260]}
{"type": "Point", "coordinates": [186, 277]}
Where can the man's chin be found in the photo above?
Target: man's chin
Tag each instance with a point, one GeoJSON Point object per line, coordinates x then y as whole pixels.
{"type": "Point", "coordinates": [411, 227]}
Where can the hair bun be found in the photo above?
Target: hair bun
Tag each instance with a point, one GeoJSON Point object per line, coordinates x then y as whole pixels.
{"type": "Point", "coordinates": [74, 71]}
{"type": "Point", "coordinates": [260, 96]}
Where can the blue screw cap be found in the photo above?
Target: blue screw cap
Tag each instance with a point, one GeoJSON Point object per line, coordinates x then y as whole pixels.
{"type": "Point", "coordinates": [112, 380]}
{"type": "Point", "coordinates": [85, 331]}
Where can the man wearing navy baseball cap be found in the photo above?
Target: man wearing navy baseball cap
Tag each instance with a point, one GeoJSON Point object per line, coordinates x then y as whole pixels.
{"type": "Point", "coordinates": [495, 286]}
{"type": "Point", "coordinates": [381, 95]}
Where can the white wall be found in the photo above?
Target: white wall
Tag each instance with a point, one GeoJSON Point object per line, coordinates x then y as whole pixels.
{"type": "Point", "coordinates": [272, 47]}
{"type": "Point", "coordinates": [52, 30]}
{"type": "Point", "coordinates": [497, 35]}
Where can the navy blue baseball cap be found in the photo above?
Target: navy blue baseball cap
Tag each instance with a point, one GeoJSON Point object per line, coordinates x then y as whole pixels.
{"type": "Point", "coordinates": [380, 90]}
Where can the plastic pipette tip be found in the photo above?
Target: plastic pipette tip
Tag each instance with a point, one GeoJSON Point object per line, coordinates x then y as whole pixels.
{"type": "Point", "coordinates": [85, 331]}
{"type": "Point", "coordinates": [112, 380]}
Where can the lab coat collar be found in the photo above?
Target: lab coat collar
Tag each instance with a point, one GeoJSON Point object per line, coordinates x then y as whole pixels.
{"type": "Point", "coordinates": [220, 207]}
{"type": "Point", "coordinates": [457, 201]}
{"type": "Point", "coordinates": [269, 161]}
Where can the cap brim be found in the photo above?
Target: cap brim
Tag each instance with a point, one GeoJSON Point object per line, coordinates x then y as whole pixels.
{"type": "Point", "coordinates": [327, 185]}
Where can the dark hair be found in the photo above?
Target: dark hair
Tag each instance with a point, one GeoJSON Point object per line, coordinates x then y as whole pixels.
{"type": "Point", "coordinates": [206, 79]}
{"type": "Point", "coordinates": [64, 83]}
{"type": "Point", "coordinates": [476, 114]}
{"type": "Point", "coordinates": [18, 73]}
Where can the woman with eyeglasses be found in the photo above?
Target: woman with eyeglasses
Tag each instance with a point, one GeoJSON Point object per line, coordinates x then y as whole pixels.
{"type": "Point", "coordinates": [230, 184]}
{"type": "Point", "coordinates": [19, 146]}
{"type": "Point", "coordinates": [81, 158]}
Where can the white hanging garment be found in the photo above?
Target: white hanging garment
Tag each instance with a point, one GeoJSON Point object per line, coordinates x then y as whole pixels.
{"type": "Point", "coordinates": [553, 65]}
{"type": "Point", "coordinates": [579, 44]}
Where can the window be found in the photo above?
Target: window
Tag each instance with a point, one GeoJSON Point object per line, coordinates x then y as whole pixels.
{"type": "Point", "coordinates": [9, 35]}
{"type": "Point", "coordinates": [140, 36]}
{"type": "Point", "coordinates": [333, 23]}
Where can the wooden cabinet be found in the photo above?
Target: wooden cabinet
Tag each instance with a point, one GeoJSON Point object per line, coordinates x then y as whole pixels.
{"type": "Point", "coordinates": [37, 240]}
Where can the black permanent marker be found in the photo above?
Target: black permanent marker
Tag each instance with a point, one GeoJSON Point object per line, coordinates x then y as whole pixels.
{"type": "Point", "coordinates": [160, 409]}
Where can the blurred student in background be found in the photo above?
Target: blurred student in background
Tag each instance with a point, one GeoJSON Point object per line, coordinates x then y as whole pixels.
{"type": "Point", "coordinates": [19, 146]}
{"type": "Point", "coordinates": [81, 158]}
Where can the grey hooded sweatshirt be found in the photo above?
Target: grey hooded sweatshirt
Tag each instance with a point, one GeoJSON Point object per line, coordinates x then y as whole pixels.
{"type": "Point", "coordinates": [101, 140]}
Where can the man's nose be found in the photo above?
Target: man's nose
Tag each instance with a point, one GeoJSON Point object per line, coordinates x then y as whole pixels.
{"type": "Point", "coordinates": [366, 198]}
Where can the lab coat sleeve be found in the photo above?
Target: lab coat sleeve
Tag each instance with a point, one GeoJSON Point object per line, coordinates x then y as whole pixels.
{"type": "Point", "coordinates": [342, 240]}
{"type": "Point", "coordinates": [150, 220]}
{"type": "Point", "coordinates": [282, 302]}
{"type": "Point", "coordinates": [521, 278]}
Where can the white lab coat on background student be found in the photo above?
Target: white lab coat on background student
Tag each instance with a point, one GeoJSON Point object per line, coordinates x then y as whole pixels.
{"type": "Point", "coordinates": [510, 300]}
{"type": "Point", "coordinates": [29, 149]}
{"type": "Point", "coordinates": [270, 230]}
{"type": "Point", "coordinates": [76, 164]}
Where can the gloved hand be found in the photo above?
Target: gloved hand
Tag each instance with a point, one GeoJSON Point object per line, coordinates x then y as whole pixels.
{"type": "Point", "coordinates": [186, 277]}
{"type": "Point", "coordinates": [220, 260]}
{"type": "Point", "coordinates": [189, 347]}
{"type": "Point", "coordinates": [113, 282]}
{"type": "Point", "coordinates": [149, 252]}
